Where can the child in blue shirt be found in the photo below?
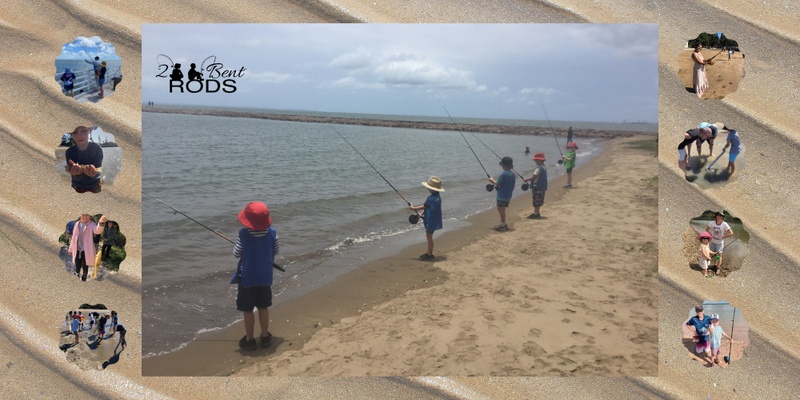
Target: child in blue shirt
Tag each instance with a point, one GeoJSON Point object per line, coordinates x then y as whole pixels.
{"type": "Point", "coordinates": [256, 246]}
{"type": "Point", "coordinates": [505, 187]}
{"type": "Point", "coordinates": [736, 148]}
{"type": "Point", "coordinates": [432, 214]}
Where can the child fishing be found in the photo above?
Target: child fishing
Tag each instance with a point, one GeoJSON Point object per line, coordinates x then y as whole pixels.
{"type": "Point", "coordinates": [538, 184]}
{"type": "Point", "coordinates": [736, 147]}
{"type": "Point", "coordinates": [505, 187]}
{"type": "Point", "coordinates": [256, 247]}
{"type": "Point", "coordinates": [705, 253]}
{"type": "Point", "coordinates": [716, 338]}
{"type": "Point", "coordinates": [432, 214]}
{"type": "Point", "coordinates": [569, 162]}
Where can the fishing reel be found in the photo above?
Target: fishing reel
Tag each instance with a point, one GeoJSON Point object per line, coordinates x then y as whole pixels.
{"type": "Point", "coordinates": [524, 187]}
{"type": "Point", "coordinates": [489, 187]}
{"type": "Point", "coordinates": [413, 219]}
{"type": "Point", "coordinates": [560, 162]}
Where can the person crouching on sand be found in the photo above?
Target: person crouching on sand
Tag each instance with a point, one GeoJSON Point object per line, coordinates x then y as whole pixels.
{"type": "Point", "coordinates": [538, 184]}
{"type": "Point", "coordinates": [705, 253]}
{"type": "Point", "coordinates": [432, 214]}
{"type": "Point", "coordinates": [690, 137]}
{"type": "Point", "coordinates": [505, 187]}
{"type": "Point", "coordinates": [569, 162]}
{"type": "Point", "coordinates": [256, 248]}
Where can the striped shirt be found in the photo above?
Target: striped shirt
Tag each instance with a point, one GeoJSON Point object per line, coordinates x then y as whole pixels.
{"type": "Point", "coordinates": [237, 248]}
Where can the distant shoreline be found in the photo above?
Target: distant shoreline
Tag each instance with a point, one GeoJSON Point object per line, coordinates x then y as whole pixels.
{"type": "Point", "coordinates": [444, 126]}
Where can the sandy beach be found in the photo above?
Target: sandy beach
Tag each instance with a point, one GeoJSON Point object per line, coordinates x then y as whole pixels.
{"type": "Point", "coordinates": [723, 77]}
{"type": "Point", "coordinates": [36, 291]}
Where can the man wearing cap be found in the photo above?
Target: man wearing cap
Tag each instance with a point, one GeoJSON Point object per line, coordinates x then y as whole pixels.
{"type": "Point", "coordinates": [719, 230]}
{"type": "Point", "coordinates": [505, 187]}
{"type": "Point", "coordinates": [256, 247]}
{"type": "Point", "coordinates": [700, 325]}
{"type": "Point", "coordinates": [569, 162]}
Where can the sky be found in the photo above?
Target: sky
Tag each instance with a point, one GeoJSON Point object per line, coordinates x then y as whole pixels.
{"type": "Point", "coordinates": [577, 72]}
{"type": "Point", "coordinates": [83, 48]}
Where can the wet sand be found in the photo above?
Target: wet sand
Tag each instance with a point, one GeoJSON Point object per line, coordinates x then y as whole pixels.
{"type": "Point", "coordinates": [35, 114]}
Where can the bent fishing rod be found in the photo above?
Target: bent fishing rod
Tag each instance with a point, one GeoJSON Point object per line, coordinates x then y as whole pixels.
{"type": "Point", "coordinates": [561, 161]}
{"type": "Point", "coordinates": [274, 265]}
{"type": "Point", "coordinates": [524, 186]}
{"type": "Point", "coordinates": [413, 219]}
{"type": "Point", "coordinates": [489, 186]}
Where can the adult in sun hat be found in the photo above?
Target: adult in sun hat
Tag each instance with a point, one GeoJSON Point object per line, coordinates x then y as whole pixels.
{"type": "Point", "coordinates": [704, 254]}
{"type": "Point", "coordinates": [719, 230]}
{"type": "Point", "coordinates": [569, 162]}
{"type": "Point", "coordinates": [432, 214]}
{"type": "Point", "coordinates": [256, 248]}
{"type": "Point", "coordinates": [538, 184]}
{"type": "Point", "coordinates": [700, 327]}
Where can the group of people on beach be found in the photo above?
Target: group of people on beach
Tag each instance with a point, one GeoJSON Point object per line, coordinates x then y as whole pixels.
{"type": "Point", "coordinates": [257, 242]}
{"type": "Point", "coordinates": [712, 243]}
{"type": "Point", "coordinates": [707, 335]}
{"type": "Point", "coordinates": [83, 237]}
{"type": "Point", "coordinates": [706, 132]}
{"type": "Point", "coordinates": [97, 325]}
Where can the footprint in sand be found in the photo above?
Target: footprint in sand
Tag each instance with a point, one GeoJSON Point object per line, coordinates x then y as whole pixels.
{"type": "Point", "coordinates": [589, 339]}
{"type": "Point", "coordinates": [571, 295]}
{"type": "Point", "coordinates": [535, 332]}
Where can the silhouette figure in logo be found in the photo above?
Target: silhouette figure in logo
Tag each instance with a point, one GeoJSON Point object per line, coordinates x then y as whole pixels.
{"type": "Point", "coordinates": [194, 75]}
{"type": "Point", "coordinates": [176, 75]}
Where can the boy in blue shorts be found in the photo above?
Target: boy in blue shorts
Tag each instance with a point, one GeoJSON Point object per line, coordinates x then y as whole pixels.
{"type": "Point", "coordinates": [736, 148]}
{"type": "Point", "coordinates": [505, 187]}
{"type": "Point", "coordinates": [256, 247]}
{"type": "Point", "coordinates": [432, 214]}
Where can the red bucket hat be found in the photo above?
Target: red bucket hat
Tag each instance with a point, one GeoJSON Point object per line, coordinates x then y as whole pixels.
{"type": "Point", "coordinates": [255, 216]}
{"type": "Point", "coordinates": [572, 145]}
{"type": "Point", "coordinates": [539, 157]}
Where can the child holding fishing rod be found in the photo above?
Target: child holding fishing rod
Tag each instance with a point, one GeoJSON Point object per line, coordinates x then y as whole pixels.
{"type": "Point", "coordinates": [716, 338]}
{"type": "Point", "coordinates": [256, 247]}
{"type": "Point", "coordinates": [704, 253]}
{"type": "Point", "coordinates": [538, 184]}
{"type": "Point", "coordinates": [432, 214]}
{"type": "Point", "coordinates": [505, 187]}
{"type": "Point", "coordinates": [569, 162]}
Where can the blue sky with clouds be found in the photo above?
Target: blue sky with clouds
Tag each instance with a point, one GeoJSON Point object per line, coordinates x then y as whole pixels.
{"type": "Point", "coordinates": [580, 72]}
{"type": "Point", "coordinates": [82, 48]}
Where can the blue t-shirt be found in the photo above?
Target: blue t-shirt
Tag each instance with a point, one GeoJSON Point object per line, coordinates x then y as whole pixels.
{"type": "Point", "coordinates": [432, 218]}
{"type": "Point", "coordinates": [701, 326]}
{"type": "Point", "coordinates": [505, 185]}
{"type": "Point", "coordinates": [92, 155]}
{"type": "Point", "coordinates": [716, 337]}
{"type": "Point", "coordinates": [736, 145]}
{"type": "Point", "coordinates": [541, 181]}
{"type": "Point", "coordinates": [258, 255]}
{"type": "Point", "coordinates": [76, 323]}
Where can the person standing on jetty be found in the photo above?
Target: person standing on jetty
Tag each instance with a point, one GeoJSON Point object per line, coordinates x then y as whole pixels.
{"type": "Point", "coordinates": [101, 78]}
{"type": "Point", "coordinates": [68, 77]}
{"type": "Point", "coordinates": [538, 184]}
{"type": "Point", "coordinates": [505, 187]}
{"type": "Point", "coordinates": [431, 213]}
{"type": "Point", "coordinates": [569, 135]}
{"type": "Point", "coordinates": [81, 247]}
{"type": "Point", "coordinates": [700, 325]}
{"type": "Point", "coordinates": [96, 67]}
{"type": "Point", "coordinates": [256, 248]}
{"type": "Point", "coordinates": [719, 230]}
{"type": "Point", "coordinates": [569, 162]}
{"type": "Point", "coordinates": [699, 72]}
{"type": "Point", "coordinates": [736, 148]}
{"type": "Point", "coordinates": [84, 161]}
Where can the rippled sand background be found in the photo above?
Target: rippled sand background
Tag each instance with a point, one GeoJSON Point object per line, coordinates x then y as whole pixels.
{"type": "Point", "coordinates": [35, 203]}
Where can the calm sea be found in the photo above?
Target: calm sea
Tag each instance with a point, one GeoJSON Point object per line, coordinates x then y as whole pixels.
{"type": "Point", "coordinates": [331, 210]}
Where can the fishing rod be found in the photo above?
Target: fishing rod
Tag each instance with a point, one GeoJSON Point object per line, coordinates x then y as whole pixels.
{"type": "Point", "coordinates": [561, 161]}
{"type": "Point", "coordinates": [413, 219]}
{"type": "Point", "coordinates": [489, 186]}
{"type": "Point", "coordinates": [733, 324]}
{"type": "Point", "coordinates": [524, 186]}
{"type": "Point", "coordinates": [715, 160]}
{"type": "Point", "coordinates": [712, 58]}
{"type": "Point", "coordinates": [274, 265]}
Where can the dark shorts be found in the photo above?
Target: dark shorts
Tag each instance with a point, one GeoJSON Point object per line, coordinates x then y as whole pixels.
{"type": "Point", "coordinates": [254, 296]}
{"type": "Point", "coordinates": [538, 198]}
{"type": "Point", "coordinates": [569, 170]}
{"type": "Point", "coordinates": [430, 231]}
{"type": "Point", "coordinates": [709, 140]}
{"type": "Point", "coordinates": [501, 203]}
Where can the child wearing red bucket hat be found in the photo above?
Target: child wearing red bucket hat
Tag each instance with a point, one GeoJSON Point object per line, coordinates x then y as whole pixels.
{"type": "Point", "coordinates": [705, 252]}
{"type": "Point", "coordinates": [538, 184]}
{"type": "Point", "coordinates": [256, 248]}
{"type": "Point", "coordinates": [569, 162]}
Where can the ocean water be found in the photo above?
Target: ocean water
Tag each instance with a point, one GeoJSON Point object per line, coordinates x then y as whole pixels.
{"type": "Point", "coordinates": [330, 208]}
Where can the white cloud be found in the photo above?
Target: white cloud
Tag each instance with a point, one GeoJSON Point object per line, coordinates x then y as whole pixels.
{"type": "Point", "coordinates": [537, 91]}
{"type": "Point", "coordinates": [355, 83]}
{"type": "Point", "coordinates": [268, 77]}
{"type": "Point", "coordinates": [358, 59]}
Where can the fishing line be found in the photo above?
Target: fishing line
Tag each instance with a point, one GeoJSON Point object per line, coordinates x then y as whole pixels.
{"type": "Point", "coordinates": [561, 161]}
{"type": "Point", "coordinates": [524, 186]}
{"type": "Point", "coordinates": [489, 186]}
{"type": "Point", "coordinates": [274, 265]}
{"type": "Point", "coordinates": [715, 160]}
{"type": "Point", "coordinates": [411, 218]}
{"type": "Point", "coordinates": [733, 324]}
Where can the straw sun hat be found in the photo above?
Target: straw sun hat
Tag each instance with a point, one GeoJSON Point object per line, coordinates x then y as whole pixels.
{"type": "Point", "coordinates": [434, 183]}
